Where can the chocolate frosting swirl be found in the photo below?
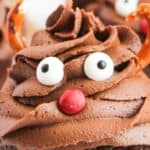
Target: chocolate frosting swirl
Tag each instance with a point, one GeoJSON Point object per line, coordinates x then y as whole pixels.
{"type": "Point", "coordinates": [28, 110]}
{"type": "Point", "coordinates": [67, 23]}
{"type": "Point", "coordinates": [102, 8]}
{"type": "Point", "coordinates": [105, 10]}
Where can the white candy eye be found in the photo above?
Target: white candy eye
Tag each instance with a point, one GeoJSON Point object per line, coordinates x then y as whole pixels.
{"type": "Point", "coordinates": [125, 7]}
{"type": "Point", "coordinates": [98, 66]}
{"type": "Point", "coordinates": [50, 71]}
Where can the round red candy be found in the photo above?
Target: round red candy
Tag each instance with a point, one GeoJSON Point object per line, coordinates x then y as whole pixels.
{"type": "Point", "coordinates": [143, 26]}
{"type": "Point", "coordinates": [72, 101]}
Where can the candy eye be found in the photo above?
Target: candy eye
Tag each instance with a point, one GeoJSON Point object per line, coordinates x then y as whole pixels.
{"type": "Point", "coordinates": [125, 7]}
{"type": "Point", "coordinates": [98, 66]}
{"type": "Point", "coordinates": [50, 71]}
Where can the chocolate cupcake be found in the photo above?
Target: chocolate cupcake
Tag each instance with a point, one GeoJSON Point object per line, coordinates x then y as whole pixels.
{"type": "Point", "coordinates": [5, 50]}
{"type": "Point", "coordinates": [82, 91]}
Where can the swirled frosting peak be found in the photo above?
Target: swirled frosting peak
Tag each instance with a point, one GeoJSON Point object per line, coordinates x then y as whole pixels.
{"type": "Point", "coordinates": [67, 23]}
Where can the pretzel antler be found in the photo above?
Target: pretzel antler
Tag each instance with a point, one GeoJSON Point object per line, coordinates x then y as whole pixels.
{"type": "Point", "coordinates": [14, 27]}
{"type": "Point", "coordinates": [143, 11]}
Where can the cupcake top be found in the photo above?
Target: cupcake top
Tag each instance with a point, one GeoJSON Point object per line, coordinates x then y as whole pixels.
{"type": "Point", "coordinates": [76, 87]}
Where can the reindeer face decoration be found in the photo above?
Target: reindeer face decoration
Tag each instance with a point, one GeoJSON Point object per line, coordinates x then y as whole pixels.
{"type": "Point", "coordinates": [84, 81]}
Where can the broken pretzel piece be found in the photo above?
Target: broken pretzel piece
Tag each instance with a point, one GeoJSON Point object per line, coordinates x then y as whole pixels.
{"type": "Point", "coordinates": [143, 11]}
{"type": "Point", "coordinates": [14, 27]}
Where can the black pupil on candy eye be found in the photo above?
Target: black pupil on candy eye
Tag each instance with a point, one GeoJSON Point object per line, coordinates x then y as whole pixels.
{"type": "Point", "coordinates": [45, 68]}
{"type": "Point", "coordinates": [101, 64]}
{"type": "Point", "coordinates": [126, 1]}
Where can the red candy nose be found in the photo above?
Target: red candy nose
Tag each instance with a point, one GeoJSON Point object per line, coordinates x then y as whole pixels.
{"type": "Point", "coordinates": [143, 26]}
{"type": "Point", "coordinates": [72, 101]}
